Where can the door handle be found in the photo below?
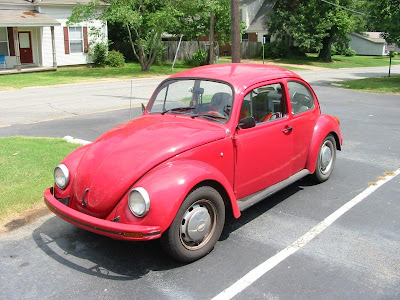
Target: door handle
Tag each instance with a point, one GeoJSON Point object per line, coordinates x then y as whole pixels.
{"type": "Point", "coordinates": [287, 129]}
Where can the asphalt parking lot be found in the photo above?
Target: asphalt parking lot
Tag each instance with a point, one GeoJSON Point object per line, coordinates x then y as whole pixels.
{"type": "Point", "coordinates": [356, 257]}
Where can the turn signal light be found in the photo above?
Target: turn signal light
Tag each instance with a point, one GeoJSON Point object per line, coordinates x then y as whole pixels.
{"type": "Point", "coordinates": [337, 120]}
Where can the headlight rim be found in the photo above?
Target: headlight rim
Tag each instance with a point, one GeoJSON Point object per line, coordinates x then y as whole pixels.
{"type": "Point", "coordinates": [65, 171]}
{"type": "Point", "coordinates": [145, 195]}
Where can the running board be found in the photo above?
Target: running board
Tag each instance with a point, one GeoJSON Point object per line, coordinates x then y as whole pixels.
{"type": "Point", "coordinates": [250, 200]}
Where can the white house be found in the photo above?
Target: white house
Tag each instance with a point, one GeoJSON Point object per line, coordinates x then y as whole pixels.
{"type": "Point", "coordinates": [368, 43]}
{"type": "Point", "coordinates": [34, 33]}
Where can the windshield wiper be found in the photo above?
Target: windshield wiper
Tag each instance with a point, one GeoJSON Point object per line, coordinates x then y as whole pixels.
{"type": "Point", "coordinates": [210, 116]}
{"type": "Point", "coordinates": [177, 109]}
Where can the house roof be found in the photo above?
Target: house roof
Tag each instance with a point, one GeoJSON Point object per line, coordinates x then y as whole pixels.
{"type": "Point", "coordinates": [26, 18]}
{"type": "Point", "coordinates": [259, 22]}
{"type": "Point", "coordinates": [46, 2]}
{"type": "Point", "coordinates": [374, 37]}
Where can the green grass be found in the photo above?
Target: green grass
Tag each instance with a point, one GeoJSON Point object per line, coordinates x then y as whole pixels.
{"type": "Point", "coordinates": [81, 74]}
{"type": "Point", "coordinates": [26, 170]}
{"type": "Point", "coordinates": [382, 85]}
{"type": "Point", "coordinates": [340, 61]}
{"type": "Point", "coordinates": [227, 59]}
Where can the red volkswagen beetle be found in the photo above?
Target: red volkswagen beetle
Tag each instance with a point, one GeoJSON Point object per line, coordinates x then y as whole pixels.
{"type": "Point", "coordinates": [211, 140]}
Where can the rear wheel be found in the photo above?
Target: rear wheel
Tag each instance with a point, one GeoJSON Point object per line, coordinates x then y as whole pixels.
{"type": "Point", "coordinates": [326, 159]}
{"type": "Point", "coordinates": [197, 225]}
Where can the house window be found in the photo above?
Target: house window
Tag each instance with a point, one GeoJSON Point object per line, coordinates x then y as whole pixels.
{"type": "Point", "coordinates": [245, 37]}
{"type": "Point", "coordinates": [3, 41]}
{"type": "Point", "coordinates": [76, 39]}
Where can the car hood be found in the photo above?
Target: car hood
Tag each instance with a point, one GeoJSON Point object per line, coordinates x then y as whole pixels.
{"type": "Point", "coordinates": [121, 156]}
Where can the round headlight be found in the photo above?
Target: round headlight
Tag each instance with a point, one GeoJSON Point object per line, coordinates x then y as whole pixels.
{"type": "Point", "coordinates": [61, 176]}
{"type": "Point", "coordinates": [139, 202]}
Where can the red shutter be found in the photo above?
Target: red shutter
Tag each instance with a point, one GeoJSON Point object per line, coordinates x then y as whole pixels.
{"type": "Point", "coordinates": [85, 40]}
{"type": "Point", "coordinates": [11, 41]}
{"type": "Point", "coordinates": [66, 40]}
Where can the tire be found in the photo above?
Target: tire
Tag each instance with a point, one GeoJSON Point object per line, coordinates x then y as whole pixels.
{"type": "Point", "coordinates": [203, 209]}
{"type": "Point", "coordinates": [326, 160]}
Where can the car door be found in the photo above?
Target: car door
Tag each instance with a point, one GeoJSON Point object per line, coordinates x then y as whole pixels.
{"type": "Point", "coordinates": [263, 152]}
{"type": "Point", "coordinates": [303, 115]}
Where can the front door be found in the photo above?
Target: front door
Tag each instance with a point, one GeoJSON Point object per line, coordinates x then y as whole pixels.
{"type": "Point", "coordinates": [25, 47]}
{"type": "Point", "coordinates": [264, 152]}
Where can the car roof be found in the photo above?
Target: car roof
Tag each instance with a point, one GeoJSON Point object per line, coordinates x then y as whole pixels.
{"type": "Point", "coordinates": [239, 75]}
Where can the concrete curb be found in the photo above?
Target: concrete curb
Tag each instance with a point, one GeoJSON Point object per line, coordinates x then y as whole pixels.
{"type": "Point", "coordinates": [73, 140]}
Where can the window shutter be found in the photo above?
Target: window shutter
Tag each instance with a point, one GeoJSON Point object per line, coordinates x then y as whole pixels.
{"type": "Point", "coordinates": [11, 41]}
{"type": "Point", "coordinates": [85, 40]}
{"type": "Point", "coordinates": [66, 40]}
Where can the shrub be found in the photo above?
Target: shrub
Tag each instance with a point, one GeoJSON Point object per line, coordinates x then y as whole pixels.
{"type": "Point", "coordinates": [98, 54]}
{"type": "Point", "coordinates": [349, 52]}
{"type": "Point", "coordinates": [282, 50]}
{"type": "Point", "coordinates": [393, 53]}
{"type": "Point", "coordinates": [199, 58]}
{"type": "Point", "coordinates": [115, 59]}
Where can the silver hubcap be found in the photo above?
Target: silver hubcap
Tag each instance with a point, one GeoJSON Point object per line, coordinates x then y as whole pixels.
{"type": "Point", "coordinates": [198, 224]}
{"type": "Point", "coordinates": [326, 157]}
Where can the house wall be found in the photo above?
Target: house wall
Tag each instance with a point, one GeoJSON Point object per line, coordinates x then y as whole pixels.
{"type": "Point", "coordinates": [61, 14]}
{"type": "Point", "coordinates": [366, 47]}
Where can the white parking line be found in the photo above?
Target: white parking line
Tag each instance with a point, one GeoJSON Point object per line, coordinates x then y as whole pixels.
{"type": "Point", "coordinates": [263, 268]}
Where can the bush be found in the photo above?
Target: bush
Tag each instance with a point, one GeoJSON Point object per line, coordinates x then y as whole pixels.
{"type": "Point", "coordinates": [98, 54]}
{"type": "Point", "coordinates": [199, 58]}
{"type": "Point", "coordinates": [349, 52]}
{"type": "Point", "coordinates": [393, 53]}
{"type": "Point", "coordinates": [281, 50]}
{"type": "Point", "coordinates": [115, 59]}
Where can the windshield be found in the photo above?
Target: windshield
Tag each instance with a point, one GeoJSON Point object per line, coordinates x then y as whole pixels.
{"type": "Point", "coordinates": [195, 97]}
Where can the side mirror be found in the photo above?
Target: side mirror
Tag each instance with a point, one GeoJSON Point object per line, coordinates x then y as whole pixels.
{"type": "Point", "coordinates": [247, 123]}
{"type": "Point", "coordinates": [143, 107]}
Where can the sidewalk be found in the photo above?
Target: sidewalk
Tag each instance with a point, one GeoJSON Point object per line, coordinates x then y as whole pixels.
{"type": "Point", "coordinates": [37, 104]}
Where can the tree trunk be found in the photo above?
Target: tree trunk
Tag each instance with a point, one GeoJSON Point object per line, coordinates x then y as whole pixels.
{"type": "Point", "coordinates": [326, 52]}
{"type": "Point", "coordinates": [212, 24]}
{"type": "Point", "coordinates": [235, 31]}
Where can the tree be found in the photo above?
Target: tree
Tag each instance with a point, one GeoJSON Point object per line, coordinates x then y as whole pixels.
{"type": "Point", "coordinates": [144, 20]}
{"type": "Point", "coordinates": [385, 16]}
{"type": "Point", "coordinates": [314, 24]}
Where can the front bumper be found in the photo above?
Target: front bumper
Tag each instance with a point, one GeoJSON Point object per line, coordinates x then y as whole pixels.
{"type": "Point", "coordinates": [104, 227]}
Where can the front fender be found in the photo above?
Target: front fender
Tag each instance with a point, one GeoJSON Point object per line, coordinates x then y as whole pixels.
{"type": "Point", "coordinates": [168, 185]}
{"type": "Point", "coordinates": [325, 125]}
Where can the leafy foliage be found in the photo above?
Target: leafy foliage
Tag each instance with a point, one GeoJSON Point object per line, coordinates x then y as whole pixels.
{"type": "Point", "coordinates": [313, 24]}
{"type": "Point", "coordinates": [199, 58]}
{"type": "Point", "coordinates": [115, 59]}
{"type": "Point", "coordinates": [98, 54]}
{"type": "Point", "coordinates": [385, 16]}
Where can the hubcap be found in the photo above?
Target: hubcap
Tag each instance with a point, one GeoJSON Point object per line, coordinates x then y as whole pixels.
{"type": "Point", "coordinates": [198, 224]}
{"type": "Point", "coordinates": [326, 157]}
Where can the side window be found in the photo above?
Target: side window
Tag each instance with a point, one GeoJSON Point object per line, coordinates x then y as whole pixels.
{"type": "Point", "coordinates": [264, 104]}
{"type": "Point", "coordinates": [301, 97]}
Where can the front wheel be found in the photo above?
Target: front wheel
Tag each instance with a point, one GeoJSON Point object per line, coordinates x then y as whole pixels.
{"type": "Point", "coordinates": [326, 159]}
{"type": "Point", "coordinates": [197, 225]}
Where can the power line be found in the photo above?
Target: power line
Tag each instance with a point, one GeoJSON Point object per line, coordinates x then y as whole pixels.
{"type": "Point", "coordinates": [346, 8]}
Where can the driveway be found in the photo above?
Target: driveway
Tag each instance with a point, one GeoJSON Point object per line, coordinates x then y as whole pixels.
{"type": "Point", "coordinates": [355, 257]}
{"type": "Point", "coordinates": [37, 104]}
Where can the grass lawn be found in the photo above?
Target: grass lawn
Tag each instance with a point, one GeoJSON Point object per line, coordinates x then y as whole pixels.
{"type": "Point", "coordinates": [26, 170]}
{"type": "Point", "coordinates": [383, 85]}
{"type": "Point", "coordinates": [340, 61]}
{"type": "Point", "coordinates": [80, 74]}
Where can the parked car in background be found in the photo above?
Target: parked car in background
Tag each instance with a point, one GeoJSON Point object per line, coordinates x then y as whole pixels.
{"type": "Point", "coordinates": [212, 140]}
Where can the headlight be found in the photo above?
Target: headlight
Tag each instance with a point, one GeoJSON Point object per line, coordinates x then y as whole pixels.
{"type": "Point", "coordinates": [61, 176]}
{"type": "Point", "coordinates": [139, 202]}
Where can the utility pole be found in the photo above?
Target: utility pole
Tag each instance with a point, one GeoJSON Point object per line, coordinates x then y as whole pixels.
{"type": "Point", "coordinates": [235, 31]}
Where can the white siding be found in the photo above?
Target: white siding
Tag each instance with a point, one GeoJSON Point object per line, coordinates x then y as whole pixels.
{"type": "Point", "coordinates": [366, 47]}
{"type": "Point", "coordinates": [61, 14]}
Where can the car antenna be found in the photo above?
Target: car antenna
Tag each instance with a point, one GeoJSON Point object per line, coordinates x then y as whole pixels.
{"type": "Point", "coordinates": [130, 104]}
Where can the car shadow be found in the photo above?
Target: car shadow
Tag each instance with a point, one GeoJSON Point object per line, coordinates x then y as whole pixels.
{"type": "Point", "coordinates": [106, 258]}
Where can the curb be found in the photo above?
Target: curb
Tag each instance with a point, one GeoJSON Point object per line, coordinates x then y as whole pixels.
{"type": "Point", "coordinates": [73, 140]}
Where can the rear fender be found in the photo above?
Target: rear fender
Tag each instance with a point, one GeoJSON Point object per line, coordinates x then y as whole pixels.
{"type": "Point", "coordinates": [325, 125]}
{"type": "Point", "coordinates": [168, 185]}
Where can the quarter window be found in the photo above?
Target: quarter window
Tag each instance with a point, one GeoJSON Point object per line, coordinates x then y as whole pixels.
{"type": "Point", "coordinates": [264, 104]}
{"type": "Point", "coordinates": [301, 98]}
{"type": "Point", "coordinates": [76, 39]}
{"type": "Point", "coordinates": [3, 41]}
